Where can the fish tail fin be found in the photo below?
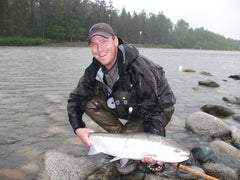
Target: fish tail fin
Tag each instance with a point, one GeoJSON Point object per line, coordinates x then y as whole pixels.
{"type": "Point", "coordinates": [93, 150]}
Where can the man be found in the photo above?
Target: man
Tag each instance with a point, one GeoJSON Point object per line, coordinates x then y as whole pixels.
{"type": "Point", "coordinates": [120, 83]}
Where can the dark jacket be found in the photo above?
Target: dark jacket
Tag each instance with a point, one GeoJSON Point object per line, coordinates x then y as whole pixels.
{"type": "Point", "coordinates": [141, 90]}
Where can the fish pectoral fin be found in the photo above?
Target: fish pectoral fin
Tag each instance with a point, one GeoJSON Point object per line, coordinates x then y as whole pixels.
{"type": "Point", "coordinates": [93, 150]}
{"type": "Point", "coordinates": [115, 159]}
{"type": "Point", "coordinates": [123, 161]}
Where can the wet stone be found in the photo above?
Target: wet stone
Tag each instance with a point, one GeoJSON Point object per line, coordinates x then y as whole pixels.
{"type": "Point", "coordinates": [186, 175]}
{"type": "Point", "coordinates": [202, 123]}
{"type": "Point", "coordinates": [235, 134]}
{"type": "Point", "coordinates": [220, 171]}
{"type": "Point", "coordinates": [204, 154]}
{"type": "Point", "coordinates": [236, 117]}
{"type": "Point", "coordinates": [208, 83]}
{"type": "Point", "coordinates": [217, 110]}
{"type": "Point", "coordinates": [11, 174]}
{"type": "Point", "coordinates": [234, 100]}
{"type": "Point", "coordinates": [223, 148]}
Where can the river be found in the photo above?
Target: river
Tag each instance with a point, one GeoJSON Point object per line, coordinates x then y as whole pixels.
{"type": "Point", "coordinates": [35, 83]}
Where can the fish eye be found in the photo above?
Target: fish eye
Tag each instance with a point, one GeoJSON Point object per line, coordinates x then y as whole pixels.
{"type": "Point", "coordinates": [177, 151]}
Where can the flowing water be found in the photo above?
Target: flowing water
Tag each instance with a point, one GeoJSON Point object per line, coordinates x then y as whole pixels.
{"type": "Point", "coordinates": [35, 83]}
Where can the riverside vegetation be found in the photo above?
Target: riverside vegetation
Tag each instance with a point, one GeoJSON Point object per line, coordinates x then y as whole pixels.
{"type": "Point", "coordinates": [69, 20]}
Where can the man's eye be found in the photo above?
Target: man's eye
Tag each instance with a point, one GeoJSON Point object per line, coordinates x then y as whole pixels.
{"type": "Point", "coordinates": [93, 45]}
{"type": "Point", "coordinates": [104, 41]}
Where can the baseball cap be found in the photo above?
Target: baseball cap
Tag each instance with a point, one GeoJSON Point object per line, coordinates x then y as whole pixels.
{"type": "Point", "coordinates": [100, 29]}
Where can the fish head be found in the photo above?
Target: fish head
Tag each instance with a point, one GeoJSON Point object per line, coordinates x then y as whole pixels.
{"type": "Point", "coordinates": [172, 152]}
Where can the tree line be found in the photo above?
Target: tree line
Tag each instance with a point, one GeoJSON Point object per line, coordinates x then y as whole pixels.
{"type": "Point", "coordinates": [69, 20]}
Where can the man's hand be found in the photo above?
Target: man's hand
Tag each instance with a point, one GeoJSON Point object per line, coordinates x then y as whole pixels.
{"type": "Point", "coordinates": [83, 134]}
{"type": "Point", "coordinates": [149, 160]}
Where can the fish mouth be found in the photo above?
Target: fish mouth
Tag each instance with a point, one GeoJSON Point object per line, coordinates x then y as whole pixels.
{"type": "Point", "coordinates": [185, 155]}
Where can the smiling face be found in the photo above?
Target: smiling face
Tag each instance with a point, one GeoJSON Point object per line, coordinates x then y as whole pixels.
{"type": "Point", "coordinates": [105, 50]}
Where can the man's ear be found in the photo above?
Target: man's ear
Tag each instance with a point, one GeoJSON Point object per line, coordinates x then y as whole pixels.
{"type": "Point", "coordinates": [115, 41]}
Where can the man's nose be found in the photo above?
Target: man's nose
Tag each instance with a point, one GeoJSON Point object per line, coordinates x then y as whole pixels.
{"type": "Point", "coordinates": [100, 47]}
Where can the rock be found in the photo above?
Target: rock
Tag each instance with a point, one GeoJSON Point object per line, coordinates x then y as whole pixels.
{"type": "Point", "coordinates": [206, 73]}
{"type": "Point", "coordinates": [205, 124]}
{"type": "Point", "coordinates": [237, 77]}
{"type": "Point", "coordinates": [217, 110]}
{"type": "Point", "coordinates": [236, 117]}
{"type": "Point", "coordinates": [220, 171]}
{"type": "Point", "coordinates": [153, 177]}
{"type": "Point", "coordinates": [186, 175]}
{"type": "Point", "coordinates": [56, 165]}
{"type": "Point", "coordinates": [223, 148]}
{"type": "Point", "coordinates": [30, 168]}
{"type": "Point", "coordinates": [196, 88]}
{"type": "Point", "coordinates": [204, 154]}
{"type": "Point", "coordinates": [235, 134]}
{"type": "Point", "coordinates": [208, 83]}
{"type": "Point", "coordinates": [234, 100]}
{"type": "Point", "coordinates": [127, 169]}
{"type": "Point", "coordinates": [107, 170]}
{"type": "Point", "coordinates": [12, 174]}
{"type": "Point", "coordinates": [189, 70]}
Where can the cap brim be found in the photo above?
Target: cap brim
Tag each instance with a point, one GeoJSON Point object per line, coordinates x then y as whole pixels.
{"type": "Point", "coordinates": [104, 34]}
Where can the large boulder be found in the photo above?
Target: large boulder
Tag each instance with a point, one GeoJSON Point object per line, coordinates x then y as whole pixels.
{"type": "Point", "coordinates": [220, 171]}
{"type": "Point", "coordinates": [222, 148]}
{"type": "Point", "coordinates": [217, 110]}
{"type": "Point", "coordinates": [235, 133]}
{"type": "Point", "coordinates": [205, 124]}
{"type": "Point", "coordinates": [56, 165]}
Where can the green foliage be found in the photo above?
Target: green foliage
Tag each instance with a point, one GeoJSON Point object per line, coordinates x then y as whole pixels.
{"type": "Point", "coordinates": [70, 20]}
{"type": "Point", "coordinates": [22, 41]}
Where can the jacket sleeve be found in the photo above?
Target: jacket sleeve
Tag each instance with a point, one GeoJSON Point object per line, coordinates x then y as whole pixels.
{"type": "Point", "coordinates": [75, 107]}
{"type": "Point", "coordinates": [155, 122]}
{"type": "Point", "coordinates": [156, 102]}
{"type": "Point", "coordinates": [77, 102]}
{"type": "Point", "coordinates": [81, 95]}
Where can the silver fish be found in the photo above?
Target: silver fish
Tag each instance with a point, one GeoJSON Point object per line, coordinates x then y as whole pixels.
{"type": "Point", "coordinates": [136, 146]}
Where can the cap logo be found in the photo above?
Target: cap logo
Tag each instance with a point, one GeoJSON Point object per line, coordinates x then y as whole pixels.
{"type": "Point", "coordinates": [96, 28]}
